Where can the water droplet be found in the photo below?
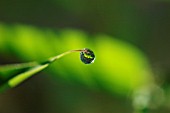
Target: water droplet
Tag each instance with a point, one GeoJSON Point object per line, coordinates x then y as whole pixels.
{"type": "Point", "coordinates": [87, 56]}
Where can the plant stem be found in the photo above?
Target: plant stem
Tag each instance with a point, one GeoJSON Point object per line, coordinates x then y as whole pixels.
{"type": "Point", "coordinates": [52, 59]}
{"type": "Point", "coordinates": [33, 68]}
{"type": "Point", "coordinates": [7, 67]}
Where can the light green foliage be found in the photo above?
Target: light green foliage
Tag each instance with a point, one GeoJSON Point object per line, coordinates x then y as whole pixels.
{"type": "Point", "coordinates": [119, 67]}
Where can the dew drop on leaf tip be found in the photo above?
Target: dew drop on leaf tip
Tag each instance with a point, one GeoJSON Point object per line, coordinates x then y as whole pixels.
{"type": "Point", "coordinates": [87, 56]}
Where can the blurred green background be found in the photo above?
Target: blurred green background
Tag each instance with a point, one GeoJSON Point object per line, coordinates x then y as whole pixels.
{"type": "Point", "coordinates": [129, 38]}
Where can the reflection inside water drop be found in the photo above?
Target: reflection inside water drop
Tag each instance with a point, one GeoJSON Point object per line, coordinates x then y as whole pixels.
{"type": "Point", "coordinates": [87, 56]}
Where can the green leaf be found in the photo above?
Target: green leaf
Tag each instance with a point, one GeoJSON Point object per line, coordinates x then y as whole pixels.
{"type": "Point", "coordinates": [14, 74]}
{"type": "Point", "coordinates": [25, 75]}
